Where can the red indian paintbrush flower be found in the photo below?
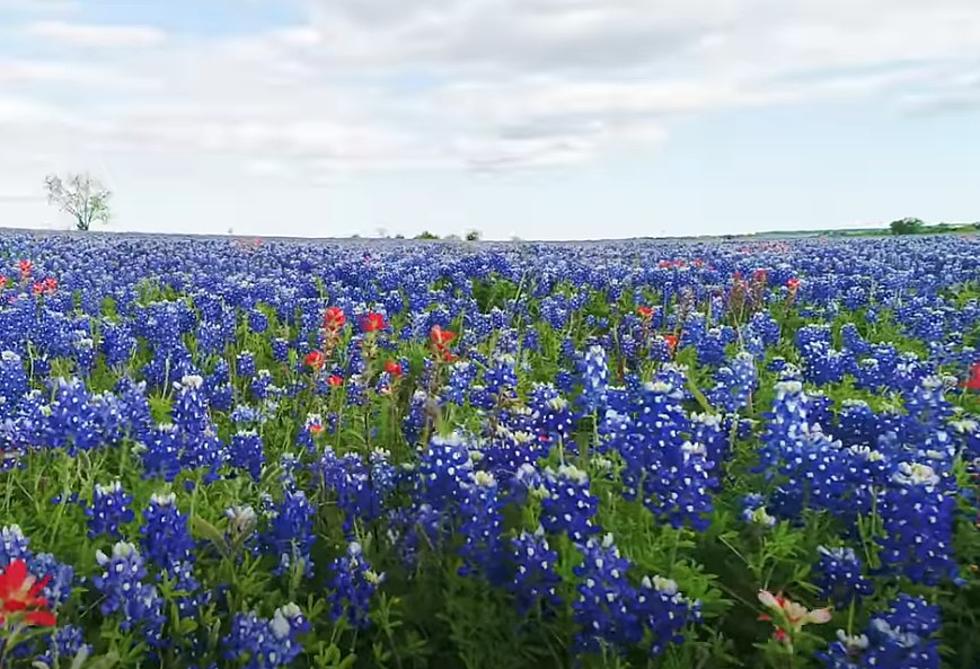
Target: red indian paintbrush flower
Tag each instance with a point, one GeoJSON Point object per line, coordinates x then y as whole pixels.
{"type": "Point", "coordinates": [334, 319]}
{"type": "Point", "coordinates": [789, 617]}
{"type": "Point", "coordinates": [671, 340]}
{"type": "Point", "coordinates": [19, 598]}
{"type": "Point", "coordinates": [314, 359]}
{"type": "Point", "coordinates": [440, 342]}
{"type": "Point", "coordinates": [441, 337]}
{"type": "Point", "coordinates": [973, 382]}
{"type": "Point", "coordinates": [393, 368]}
{"type": "Point", "coordinates": [645, 312]}
{"type": "Point", "coordinates": [26, 267]}
{"type": "Point", "coordinates": [335, 380]}
{"type": "Point", "coordinates": [372, 322]}
{"type": "Point", "coordinates": [793, 284]}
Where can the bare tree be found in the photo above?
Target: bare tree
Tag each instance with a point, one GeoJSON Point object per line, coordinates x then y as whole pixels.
{"type": "Point", "coordinates": [80, 195]}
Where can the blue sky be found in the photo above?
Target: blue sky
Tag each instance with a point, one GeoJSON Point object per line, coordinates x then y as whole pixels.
{"type": "Point", "coordinates": [544, 119]}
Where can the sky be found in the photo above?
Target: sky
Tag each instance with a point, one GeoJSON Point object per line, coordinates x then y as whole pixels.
{"type": "Point", "coordinates": [540, 119]}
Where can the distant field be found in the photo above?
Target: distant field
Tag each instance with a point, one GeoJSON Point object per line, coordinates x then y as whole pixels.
{"type": "Point", "coordinates": [243, 452]}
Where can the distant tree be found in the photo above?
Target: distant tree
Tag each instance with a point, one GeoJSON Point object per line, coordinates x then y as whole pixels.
{"type": "Point", "coordinates": [426, 235]}
{"type": "Point", "coordinates": [907, 226]}
{"type": "Point", "coordinates": [473, 236]}
{"type": "Point", "coordinates": [399, 236]}
{"type": "Point", "coordinates": [80, 195]}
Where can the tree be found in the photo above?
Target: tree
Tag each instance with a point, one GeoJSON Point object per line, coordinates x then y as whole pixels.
{"type": "Point", "coordinates": [473, 236]}
{"type": "Point", "coordinates": [80, 195]}
{"type": "Point", "coordinates": [426, 235]}
{"type": "Point", "coordinates": [907, 226]}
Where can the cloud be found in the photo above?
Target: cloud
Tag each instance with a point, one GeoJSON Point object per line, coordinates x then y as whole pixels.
{"type": "Point", "coordinates": [487, 85]}
{"type": "Point", "coordinates": [91, 35]}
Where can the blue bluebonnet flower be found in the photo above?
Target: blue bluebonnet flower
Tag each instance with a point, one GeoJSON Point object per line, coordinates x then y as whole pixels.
{"type": "Point", "coordinates": [360, 488]}
{"type": "Point", "coordinates": [109, 509]}
{"type": "Point", "coordinates": [754, 511]}
{"type": "Point", "coordinates": [280, 349]}
{"type": "Point", "coordinates": [550, 413]}
{"type": "Point", "coordinates": [160, 453]}
{"type": "Point", "coordinates": [568, 506]}
{"type": "Point", "coordinates": [665, 612]}
{"type": "Point", "coordinates": [123, 590]}
{"type": "Point", "coordinates": [606, 607]}
{"type": "Point", "coordinates": [166, 538]}
{"type": "Point", "coordinates": [461, 377]}
{"type": "Point", "coordinates": [595, 379]}
{"type": "Point", "coordinates": [481, 523]}
{"type": "Point", "coordinates": [13, 382]}
{"type": "Point", "coordinates": [839, 577]}
{"type": "Point", "coordinates": [734, 384]}
{"type": "Point", "coordinates": [535, 577]}
{"type": "Point", "coordinates": [351, 587]}
{"type": "Point", "coordinates": [917, 513]}
{"type": "Point", "coordinates": [246, 452]}
{"type": "Point", "coordinates": [245, 364]}
{"type": "Point", "coordinates": [649, 428]}
{"type": "Point", "coordinates": [442, 471]}
{"type": "Point", "coordinates": [258, 643]}
{"type": "Point", "coordinates": [289, 535]}
{"type": "Point", "coordinates": [64, 644]}
{"type": "Point", "coordinates": [899, 639]}
{"type": "Point", "coordinates": [257, 321]}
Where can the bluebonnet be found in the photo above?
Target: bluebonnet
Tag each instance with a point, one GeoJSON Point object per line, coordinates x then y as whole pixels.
{"type": "Point", "coordinates": [258, 321]}
{"type": "Point", "coordinates": [351, 587]}
{"type": "Point", "coordinates": [461, 376]}
{"type": "Point", "coordinates": [595, 378]}
{"type": "Point", "coordinates": [917, 513]}
{"type": "Point", "coordinates": [245, 364]}
{"type": "Point", "coordinates": [535, 577]}
{"type": "Point", "coordinates": [246, 452]}
{"type": "Point", "coordinates": [901, 638]}
{"type": "Point", "coordinates": [734, 384]}
{"type": "Point", "coordinates": [280, 349]}
{"type": "Point", "coordinates": [839, 576]}
{"type": "Point", "coordinates": [109, 509]}
{"type": "Point", "coordinates": [258, 643]}
{"type": "Point", "coordinates": [550, 413]}
{"type": "Point", "coordinates": [568, 506]}
{"type": "Point", "coordinates": [165, 536]}
{"type": "Point", "coordinates": [664, 611]}
{"type": "Point", "coordinates": [123, 590]}
{"type": "Point", "coordinates": [606, 608]}
{"type": "Point", "coordinates": [360, 488]}
{"type": "Point", "coordinates": [442, 471]}
{"type": "Point", "coordinates": [754, 511]}
{"type": "Point", "coordinates": [481, 525]}
{"type": "Point", "coordinates": [65, 643]}
{"type": "Point", "coordinates": [648, 427]}
{"type": "Point", "coordinates": [13, 382]}
{"type": "Point", "coordinates": [289, 534]}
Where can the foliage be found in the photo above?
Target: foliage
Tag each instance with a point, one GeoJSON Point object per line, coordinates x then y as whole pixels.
{"type": "Point", "coordinates": [906, 226]}
{"type": "Point", "coordinates": [80, 195]}
{"type": "Point", "coordinates": [632, 454]}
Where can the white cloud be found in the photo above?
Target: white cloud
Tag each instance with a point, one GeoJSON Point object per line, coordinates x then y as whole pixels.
{"type": "Point", "coordinates": [490, 85]}
{"type": "Point", "coordinates": [91, 35]}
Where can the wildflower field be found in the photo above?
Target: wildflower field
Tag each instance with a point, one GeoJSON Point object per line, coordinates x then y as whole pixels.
{"type": "Point", "coordinates": [227, 453]}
